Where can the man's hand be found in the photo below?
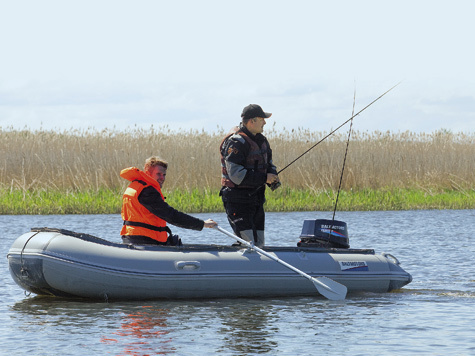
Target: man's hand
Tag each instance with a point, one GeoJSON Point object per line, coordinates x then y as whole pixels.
{"type": "Point", "coordinates": [273, 181]}
{"type": "Point", "coordinates": [272, 178]}
{"type": "Point", "coordinates": [210, 223]}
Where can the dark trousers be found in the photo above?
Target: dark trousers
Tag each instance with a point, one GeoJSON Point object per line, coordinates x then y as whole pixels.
{"type": "Point", "coordinates": [243, 217]}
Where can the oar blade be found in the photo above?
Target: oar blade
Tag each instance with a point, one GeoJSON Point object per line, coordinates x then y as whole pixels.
{"type": "Point", "coordinates": [329, 288]}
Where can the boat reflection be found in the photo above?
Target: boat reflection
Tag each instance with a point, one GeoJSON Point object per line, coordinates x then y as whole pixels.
{"type": "Point", "coordinates": [246, 329]}
{"type": "Point", "coordinates": [239, 327]}
{"type": "Point", "coordinates": [228, 326]}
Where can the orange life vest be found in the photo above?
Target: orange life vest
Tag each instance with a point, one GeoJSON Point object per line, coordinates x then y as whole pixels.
{"type": "Point", "coordinates": [138, 220]}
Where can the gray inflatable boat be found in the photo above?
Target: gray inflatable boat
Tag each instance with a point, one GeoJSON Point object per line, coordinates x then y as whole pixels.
{"type": "Point", "coordinates": [48, 261]}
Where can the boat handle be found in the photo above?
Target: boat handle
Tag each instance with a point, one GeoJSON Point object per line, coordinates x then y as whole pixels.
{"type": "Point", "coordinates": [391, 257]}
{"type": "Point", "coordinates": [187, 265]}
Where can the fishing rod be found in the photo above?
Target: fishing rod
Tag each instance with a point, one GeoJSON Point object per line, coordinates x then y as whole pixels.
{"type": "Point", "coordinates": [339, 127]}
{"type": "Point", "coordinates": [276, 185]}
{"type": "Point", "coordinates": [333, 224]}
{"type": "Point", "coordinates": [344, 159]}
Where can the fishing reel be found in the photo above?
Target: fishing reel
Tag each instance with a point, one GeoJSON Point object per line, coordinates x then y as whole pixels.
{"type": "Point", "coordinates": [274, 186]}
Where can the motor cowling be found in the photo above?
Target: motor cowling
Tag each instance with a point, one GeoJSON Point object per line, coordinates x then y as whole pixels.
{"type": "Point", "coordinates": [324, 233]}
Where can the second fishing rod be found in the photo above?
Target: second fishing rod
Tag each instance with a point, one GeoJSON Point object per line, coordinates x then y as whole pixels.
{"type": "Point", "coordinates": [275, 185]}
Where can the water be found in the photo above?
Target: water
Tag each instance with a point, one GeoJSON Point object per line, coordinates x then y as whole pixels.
{"type": "Point", "coordinates": [434, 315]}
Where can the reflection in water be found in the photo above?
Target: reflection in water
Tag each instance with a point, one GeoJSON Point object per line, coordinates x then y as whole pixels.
{"type": "Point", "coordinates": [143, 332]}
{"type": "Point", "coordinates": [56, 311]}
{"type": "Point", "coordinates": [247, 329]}
{"type": "Point", "coordinates": [139, 330]}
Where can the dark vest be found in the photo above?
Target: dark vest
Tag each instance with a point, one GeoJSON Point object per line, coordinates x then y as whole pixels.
{"type": "Point", "coordinates": [256, 159]}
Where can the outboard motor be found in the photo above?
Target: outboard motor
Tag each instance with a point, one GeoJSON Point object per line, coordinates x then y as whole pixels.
{"type": "Point", "coordinates": [324, 233]}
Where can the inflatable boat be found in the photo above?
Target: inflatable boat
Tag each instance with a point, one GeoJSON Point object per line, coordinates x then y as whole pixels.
{"type": "Point", "coordinates": [50, 261]}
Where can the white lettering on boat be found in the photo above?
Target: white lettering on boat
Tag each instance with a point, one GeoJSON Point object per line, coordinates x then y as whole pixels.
{"type": "Point", "coordinates": [353, 266]}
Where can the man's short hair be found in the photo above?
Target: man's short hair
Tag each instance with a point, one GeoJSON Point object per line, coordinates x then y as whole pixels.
{"type": "Point", "coordinates": [154, 161]}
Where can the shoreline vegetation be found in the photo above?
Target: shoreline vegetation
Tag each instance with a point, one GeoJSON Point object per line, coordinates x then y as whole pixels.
{"type": "Point", "coordinates": [77, 171]}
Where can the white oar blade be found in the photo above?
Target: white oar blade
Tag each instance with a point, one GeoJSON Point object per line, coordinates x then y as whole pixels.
{"type": "Point", "coordinates": [329, 288]}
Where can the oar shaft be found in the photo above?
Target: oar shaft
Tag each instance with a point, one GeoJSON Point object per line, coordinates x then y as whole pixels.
{"type": "Point", "coordinates": [262, 252]}
{"type": "Point", "coordinates": [325, 286]}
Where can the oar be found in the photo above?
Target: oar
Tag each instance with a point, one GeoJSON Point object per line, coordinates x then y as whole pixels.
{"type": "Point", "coordinates": [325, 286]}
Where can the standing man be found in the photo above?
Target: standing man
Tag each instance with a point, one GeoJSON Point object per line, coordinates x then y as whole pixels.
{"type": "Point", "coordinates": [145, 212]}
{"type": "Point", "coordinates": [246, 164]}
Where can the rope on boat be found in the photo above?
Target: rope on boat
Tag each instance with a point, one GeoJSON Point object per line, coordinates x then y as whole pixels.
{"type": "Point", "coordinates": [23, 269]}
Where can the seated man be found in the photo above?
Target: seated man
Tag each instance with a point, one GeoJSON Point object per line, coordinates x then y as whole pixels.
{"type": "Point", "coordinates": [145, 212]}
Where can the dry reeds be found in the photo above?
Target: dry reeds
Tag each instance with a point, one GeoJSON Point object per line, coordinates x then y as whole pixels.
{"type": "Point", "coordinates": [91, 160]}
{"type": "Point", "coordinates": [380, 159]}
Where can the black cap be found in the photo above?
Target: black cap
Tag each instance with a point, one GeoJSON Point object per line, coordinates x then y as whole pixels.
{"type": "Point", "coordinates": [253, 110]}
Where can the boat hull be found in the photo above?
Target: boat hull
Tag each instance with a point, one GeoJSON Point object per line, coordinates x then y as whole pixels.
{"type": "Point", "coordinates": [63, 263]}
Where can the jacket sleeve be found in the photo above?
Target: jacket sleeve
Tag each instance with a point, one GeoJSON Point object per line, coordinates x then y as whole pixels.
{"type": "Point", "coordinates": [151, 199]}
{"type": "Point", "coordinates": [235, 152]}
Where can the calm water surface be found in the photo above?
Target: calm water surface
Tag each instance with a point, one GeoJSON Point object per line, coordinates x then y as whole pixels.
{"type": "Point", "coordinates": [434, 315]}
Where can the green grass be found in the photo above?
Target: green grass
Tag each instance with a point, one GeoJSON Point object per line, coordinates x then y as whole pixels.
{"type": "Point", "coordinates": [366, 200]}
{"type": "Point", "coordinates": [45, 202]}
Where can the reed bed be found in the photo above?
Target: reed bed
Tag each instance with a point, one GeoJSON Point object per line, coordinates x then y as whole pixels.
{"type": "Point", "coordinates": [441, 160]}
{"type": "Point", "coordinates": [90, 160]}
